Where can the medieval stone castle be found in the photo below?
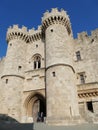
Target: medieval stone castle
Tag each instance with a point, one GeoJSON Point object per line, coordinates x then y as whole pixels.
{"type": "Point", "coordinates": [47, 70]}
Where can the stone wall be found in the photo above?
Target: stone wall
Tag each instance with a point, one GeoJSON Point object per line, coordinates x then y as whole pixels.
{"type": "Point", "coordinates": [53, 42]}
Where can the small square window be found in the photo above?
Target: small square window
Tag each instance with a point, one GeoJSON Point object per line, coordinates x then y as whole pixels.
{"type": "Point", "coordinates": [36, 45]}
{"type": "Point", "coordinates": [51, 30]}
{"type": "Point", "coordinates": [10, 44]}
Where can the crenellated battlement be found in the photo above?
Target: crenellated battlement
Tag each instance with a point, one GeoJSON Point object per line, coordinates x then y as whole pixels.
{"type": "Point", "coordinates": [54, 12]}
{"type": "Point", "coordinates": [16, 27]}
{"type": "Point", "coordinates": [35, 35]}
{"type": "Point", "coordinates": [94, 33]}
{"type": "Point", "coordinates": [53, 17]}
{"type": "Point", "coordinates": [84, 36]}
{"type": "Point", "coordinates": [23, 33]}
{"type": "Point", "coordinates": [46, 64]}
{"type": "Point", "coordinates": [14, 32]}
{"type": "Point", "coordinates": [56, 17]}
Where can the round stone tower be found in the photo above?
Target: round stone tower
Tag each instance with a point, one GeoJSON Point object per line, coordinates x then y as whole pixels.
{"type": "Point", "coordinates": [13, 74]}
{"type": "Point", "coordinates": [61, 94]}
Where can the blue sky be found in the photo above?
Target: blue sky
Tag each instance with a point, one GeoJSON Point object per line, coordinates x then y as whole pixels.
{"type": "Point", "coordinates": [83, 15]}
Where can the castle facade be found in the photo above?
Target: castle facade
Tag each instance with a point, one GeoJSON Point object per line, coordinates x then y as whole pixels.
{"type": "Point", "coordinates": [48, 71]}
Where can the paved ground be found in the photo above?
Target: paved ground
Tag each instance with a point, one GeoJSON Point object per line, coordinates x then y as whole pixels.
{"type": "Point", "coordinates": [6, 126]}
{"type": "Point", "coordinates": [42, 126]}
{"type": "Point", "coordinates": [75, 127]}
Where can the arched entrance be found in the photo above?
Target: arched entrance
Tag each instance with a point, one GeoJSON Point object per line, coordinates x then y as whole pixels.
{"type": "Point", "coordinates": [36, 106]}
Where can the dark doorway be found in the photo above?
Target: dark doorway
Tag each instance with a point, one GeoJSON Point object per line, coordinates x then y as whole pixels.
{"type": "Point", "coordinates": [42, 107]}
{"type": "Point", "coordinates": [39, 108]}
{"type": "Point", "coordinates": [90, 106]}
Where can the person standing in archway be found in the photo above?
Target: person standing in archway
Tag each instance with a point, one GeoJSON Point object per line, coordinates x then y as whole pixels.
{"type": "Point", "coordinates": [42, 117]}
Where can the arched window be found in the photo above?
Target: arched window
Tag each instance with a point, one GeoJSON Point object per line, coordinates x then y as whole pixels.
{"type": "Point", "coordinates": [37, 62]}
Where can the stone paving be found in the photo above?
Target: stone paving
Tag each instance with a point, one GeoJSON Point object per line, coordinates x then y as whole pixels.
{"type": "Point", "coordinates": [42, 126]}
{"type": "Point", "coordinates": [17, 126]}
{"type": "Point", "coordinates": [74, 127]}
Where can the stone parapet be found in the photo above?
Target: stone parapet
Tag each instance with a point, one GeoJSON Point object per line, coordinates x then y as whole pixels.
{"type": "Point", "coordinates": [83, 37]}
{"type": "Point", "coordinates": [56, 17]}
{"type": "Point", "coordinates": [15, 32]}
{"type": "Point", "coordinates": [35, 35]}
{"type": "Point", "coordinates": [23, 33]}
{"type": "Point", "coordinates": [54, 12]}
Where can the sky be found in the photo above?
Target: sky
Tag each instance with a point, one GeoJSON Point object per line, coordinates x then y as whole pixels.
{"type": "Point", "coordinates": [83, 15]}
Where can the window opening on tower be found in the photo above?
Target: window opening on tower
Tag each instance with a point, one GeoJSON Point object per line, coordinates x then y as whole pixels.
{"type": "Point", "coordinates": [37, 62]}
{"type": "Point", "coordinates": [36, 45]}
{"type": "Point", "coordinates": [19, 67]}
{"type": "Point", "coordinates": [10, 44]}
{"type": "Point", "coordinates": [51, 30]}
{"type": "Point", "coordinates": [78, 55]}
{"type": "Point", "coordinates": [53, 74]}
{"type": "Point", "coordinates": [6, 81]}
{"type": "Point", "coordinates": [82, 78]}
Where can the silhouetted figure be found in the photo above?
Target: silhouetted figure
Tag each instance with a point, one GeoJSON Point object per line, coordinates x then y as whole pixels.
{"type": "Point", "coordinates": [42, 117]}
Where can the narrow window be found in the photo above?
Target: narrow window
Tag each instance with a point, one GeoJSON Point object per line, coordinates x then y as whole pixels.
{"type": "Point", "coordinates": [78, 55]}
{"type": "Point", "coordinates": [37, 62]}
{"type": "Point", "coordinates": [53, 74]}
{"type": "Point", "coordinates": [34, 64]}
{"type": "Point", "coordinates": [6, 81]}
{"type": "Point", "coordinates": [19, 67]}
{"type": "Point", "coordinates": [90, 106]}
{"type": "Point", "coordinates": [82, 78]}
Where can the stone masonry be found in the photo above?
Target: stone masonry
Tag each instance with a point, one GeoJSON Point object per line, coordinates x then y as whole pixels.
{"type": "Point", "coordinates": [48, 71]}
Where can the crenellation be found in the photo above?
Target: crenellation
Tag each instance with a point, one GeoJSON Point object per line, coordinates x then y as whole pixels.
{"type": "Point", "coordinates": [31, 31]}
{"type": "Point", "coordinates": [94, 36]}
{"type": "Point", "coordinates": [82, 35]}
{"type": "Point", "coordinates": [24, 29]}
{"type": "Point", "coordinates": [94, 33]}
{"type": "Point", "coordinates": [47, 68]}
{"type": "Point", "coordinates": [16, 27]}
{"type": "Point", "coordinates": [35, 35]}
{"type": "Point", "coordinates": [15, 32]}
{"type": "Point", "coordinates": [56, 17]}
{"type": "Point", "coordinates": [54, 12]}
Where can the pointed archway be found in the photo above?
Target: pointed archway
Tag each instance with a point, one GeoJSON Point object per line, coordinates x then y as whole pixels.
{"type": "Point", "coordinates": [35, 105]}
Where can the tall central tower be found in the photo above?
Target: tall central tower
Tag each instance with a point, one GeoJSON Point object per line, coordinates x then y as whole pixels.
{"type": "Point", "coordinates": [62, 104]}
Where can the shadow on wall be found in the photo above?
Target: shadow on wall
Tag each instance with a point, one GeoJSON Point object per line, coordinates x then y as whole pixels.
{"type": "Point", "coordinates": [9, 123]}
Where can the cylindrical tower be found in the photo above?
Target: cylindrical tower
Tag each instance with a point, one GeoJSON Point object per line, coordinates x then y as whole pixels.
{"type": "Point", "coordinates": [61, 95]}
{"type": "Point", "coordinates": [13, 74]}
